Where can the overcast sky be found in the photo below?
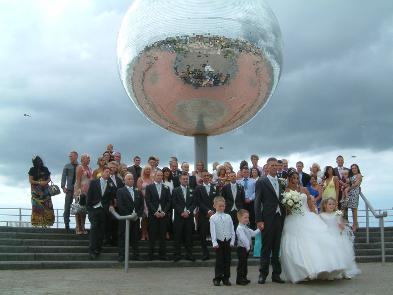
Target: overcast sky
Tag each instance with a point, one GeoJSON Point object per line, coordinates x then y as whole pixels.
{"type": "Point", "coordinates": [59, 65]}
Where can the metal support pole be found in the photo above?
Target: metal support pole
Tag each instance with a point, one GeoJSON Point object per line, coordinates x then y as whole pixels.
{"type": "Point", "coordinates": [127, 245]}
{"type": "Point", "coordinates": [367, 226]}
{"type": "Point", "coordinates": [57, 218]}
{"type": "Point", "coordinates": [381, 226]}
{"type": "Point", "coordinates": [20, 217]}
{"type": "Point", "coordinates": [200, 149]}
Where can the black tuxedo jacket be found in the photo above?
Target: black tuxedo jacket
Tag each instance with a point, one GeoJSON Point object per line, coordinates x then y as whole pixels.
{"type": "Point", "coordinates": [226, 192]}
{"type": "Point", "coordinates": [192, 183]}
{"type": "Point", "coordinates": [305, 179]}
{"type": "Point", "coordinates": [153, 200]}
{"type": "Point", "coordinates": [336, 173]}
{"type": "Point", "coordinates": [135, 171]}
{"type": "Point", "coordinates": [179, 203]}
{"type": "Point", "coordinates": [119, 182]}
{"type": "Point", "coordinates": [94, 194]}
{"type": "Point", "coordinates": [266, 201]}
{"type": "Point", "coordinates": [205, 201]}
{"type": "Point", "coordinates": [125, 204]}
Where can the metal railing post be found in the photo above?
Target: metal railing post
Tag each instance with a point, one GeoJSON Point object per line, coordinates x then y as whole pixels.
{"type": "Point", "coordinates": [20, 217]}
{"type": "Point", "coordinates": [127, 244]}
{"type": "Point", "coordinates": [367, 226]}
{"type": "Point", "coordinates": [381, 225]}
{"type": "Point", "coordinates": [57, 218]}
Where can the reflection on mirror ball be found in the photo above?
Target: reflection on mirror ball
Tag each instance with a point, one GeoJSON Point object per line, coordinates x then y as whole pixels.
{"type": "Point", "coordinates": [199, 67]}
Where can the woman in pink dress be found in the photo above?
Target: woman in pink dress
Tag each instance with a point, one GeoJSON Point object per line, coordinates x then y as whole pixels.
{"type": "Point", "coordinates": [143, 181]}
{"type": "Point", "coordinates": [84, 175]}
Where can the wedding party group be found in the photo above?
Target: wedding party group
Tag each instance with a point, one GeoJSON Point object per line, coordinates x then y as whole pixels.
{"type": "Point", "coordinates": [294, 213]}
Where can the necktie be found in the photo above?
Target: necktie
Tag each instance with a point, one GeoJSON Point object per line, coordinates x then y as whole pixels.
{"type": "Point", "coordinates": [245, 184]}
{"type": "Point", "coordinates": [184, 192]}
{"type": "Point", "coordinates": [207, 187]}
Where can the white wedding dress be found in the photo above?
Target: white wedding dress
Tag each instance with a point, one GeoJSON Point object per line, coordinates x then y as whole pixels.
{"type": "Point", "coordinates": [308, 250]}
{"type": "Point", "coordinates": [344, 240]}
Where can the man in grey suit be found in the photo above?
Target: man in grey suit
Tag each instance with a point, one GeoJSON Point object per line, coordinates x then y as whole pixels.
{"type": "Point", "coordinates": [68, 178]}
{"type": "Point", "coordinates": [269, 216]}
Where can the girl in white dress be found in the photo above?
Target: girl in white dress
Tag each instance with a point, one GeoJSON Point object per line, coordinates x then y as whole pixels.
{"type": "Point", "coordinates": [307, 250]}
{"type": "Point", "coordinates": [343, 236]}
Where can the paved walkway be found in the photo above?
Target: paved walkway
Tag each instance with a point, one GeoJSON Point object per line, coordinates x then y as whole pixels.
{"type": "Point", "coordinates": [375, 279]}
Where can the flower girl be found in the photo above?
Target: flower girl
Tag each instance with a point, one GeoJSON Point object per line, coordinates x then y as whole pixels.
{"type": "Point", "coordinates": [342, 233]}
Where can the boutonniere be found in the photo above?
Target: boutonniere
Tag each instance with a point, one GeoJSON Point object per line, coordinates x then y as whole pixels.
{"type": "Point", "coordinates": [165, 186]}
{"type": "Point", "coordinates": [190, 191]}
{"type": "Point", "coordinates": [136, 189]}
{"type": "Point", "coordinates": [110, 184]}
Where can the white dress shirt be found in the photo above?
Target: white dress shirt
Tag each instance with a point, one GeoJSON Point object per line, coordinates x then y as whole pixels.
{"type": "Point", "coordinates": [234, 193]}
{"type": "Point", "coordinates": [244, 235]}
{"type": "Point", "coordinates": [221, 228]}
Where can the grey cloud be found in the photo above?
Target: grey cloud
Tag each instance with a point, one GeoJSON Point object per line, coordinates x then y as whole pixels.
{"type": "Point", "coordinates": [335, 92]}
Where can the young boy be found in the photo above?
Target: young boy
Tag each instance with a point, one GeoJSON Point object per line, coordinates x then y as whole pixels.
{"type": "Point", "coordinates": [223, 238]}
{"type": "Point", "coordinates": [244, 245]}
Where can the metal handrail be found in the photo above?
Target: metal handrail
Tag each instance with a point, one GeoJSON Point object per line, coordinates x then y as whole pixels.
{"type": "Point", "coordinates": [127, 218]}
{"type": "Point", "coordinates": [380, 216]}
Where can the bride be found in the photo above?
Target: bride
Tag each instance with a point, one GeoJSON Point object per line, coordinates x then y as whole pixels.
{"type": "Point", "coordinates": [307, 250]}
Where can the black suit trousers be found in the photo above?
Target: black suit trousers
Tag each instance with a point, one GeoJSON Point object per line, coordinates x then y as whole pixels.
{"type": "Point", "coordinates": [271, 237]}
{"type": "Point", "coordinates": [97, 229]}
{"type": "Point", "coordinates": [222, 268]}
{"type": "Point", "coordinates": [242, 256]}
{"type": "Point", "coordinates": [111, 227]}
{"type": "Point", "coordinates": [134, 236]}
{"type": "Point", "coordinates": [157, 230]}
{"type": "Point", "coordinates": [204, 231]}
{"type": "Point", "coordinates": [182, 229]}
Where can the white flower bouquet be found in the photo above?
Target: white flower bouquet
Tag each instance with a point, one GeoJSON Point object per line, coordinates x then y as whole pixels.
{"type": "Point", "coordinates": [292, 202]}
{"type": "Point", "coordinates": [339, 213]}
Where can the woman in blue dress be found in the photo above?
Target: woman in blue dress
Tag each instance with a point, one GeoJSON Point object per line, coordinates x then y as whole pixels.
{"type": "Point", "coordinates": [315, 191]}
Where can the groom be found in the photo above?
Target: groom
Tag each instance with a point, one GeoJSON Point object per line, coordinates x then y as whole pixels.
{"type": "Point", "coordinates": [269, 216]}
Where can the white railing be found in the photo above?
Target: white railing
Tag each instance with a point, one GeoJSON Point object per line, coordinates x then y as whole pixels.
{"type": "Point", "coordinates": [20, 217]}
{"type": "Point", "coordinates": [380, 216]}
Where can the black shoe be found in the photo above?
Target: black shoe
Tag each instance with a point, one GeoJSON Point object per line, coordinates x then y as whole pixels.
{"type": "Point", "coordinates": [205, 257]}
{"type": "Point", "coordinates": [241, 282]}
{"type": "Point", "coordinates": [277, 279]}
{"type": "Point", "coordinates": [262, 279]}
{"type": "Point", "coordinates": [226, 282]}
{"type": "Point", "coordinates": [176, 258]}
{"type": "Point", "coordinates": [248, 281]}
{"type": "Point", "coordinates": [190, 258]}
{"type": "Point", "coordinates": [216, 282]}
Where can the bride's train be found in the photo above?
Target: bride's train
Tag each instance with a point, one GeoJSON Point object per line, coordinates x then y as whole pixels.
{"type": "Point", "coordinates": [310, 250]}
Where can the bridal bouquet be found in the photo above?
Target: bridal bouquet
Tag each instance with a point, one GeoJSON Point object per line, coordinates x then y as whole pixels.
{"type": "Point", "coordinates": [292, 202]}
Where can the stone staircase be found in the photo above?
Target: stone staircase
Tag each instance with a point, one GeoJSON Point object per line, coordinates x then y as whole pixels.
{"type": "Point", "coordinates": [32, 248]}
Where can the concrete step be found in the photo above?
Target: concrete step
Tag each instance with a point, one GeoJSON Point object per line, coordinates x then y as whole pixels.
{"type": "Point", "coordinates": [42, 242]}
{"type": "Point", "coordinates": [15, 265]}
{"type": "Point", "coordinates": [9, 265]}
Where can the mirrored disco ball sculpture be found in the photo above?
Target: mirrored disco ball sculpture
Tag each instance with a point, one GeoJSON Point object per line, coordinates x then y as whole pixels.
{"type": "Point", "coordinates": [199, 67]}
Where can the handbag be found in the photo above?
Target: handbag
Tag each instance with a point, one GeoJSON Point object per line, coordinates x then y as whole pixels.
{"type": "Point", "coordinates": [77, 208]}
{"type": "Point", "coordinates": [53, 189]}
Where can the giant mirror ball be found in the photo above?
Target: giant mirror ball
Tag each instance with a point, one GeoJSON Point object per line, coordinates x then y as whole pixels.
{"type": "Point", "coordinates": [199, 67]}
